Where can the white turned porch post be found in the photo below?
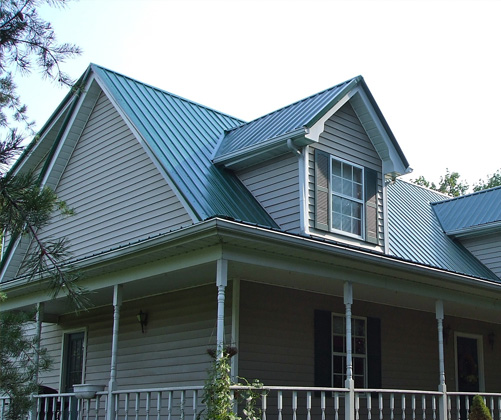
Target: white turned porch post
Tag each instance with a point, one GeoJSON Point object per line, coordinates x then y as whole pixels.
{"type": "Point", "coordinates": [349, 383]}
{"type": "Point", "coordinates": [221, 282]}
{"type": "Point", "coordinates": [439, 311]}
{"type": "Point", "coordinates": [38, 335]}
{"type": "Point", "coordinates": [112, 384]}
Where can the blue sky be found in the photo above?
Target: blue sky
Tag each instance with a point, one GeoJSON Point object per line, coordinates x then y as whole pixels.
{"type": "Point", "coordinates": [433, 66]}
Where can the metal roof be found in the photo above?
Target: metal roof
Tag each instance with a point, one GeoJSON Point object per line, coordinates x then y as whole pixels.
{"type": "Point", "coordinates": [415, 233]}
{"type": "Point", "coordinates": [470, 212]}
{"type": "Point", "coordinates": [182, 135]}
{"type": "Point", "coordinates": [285, 120]}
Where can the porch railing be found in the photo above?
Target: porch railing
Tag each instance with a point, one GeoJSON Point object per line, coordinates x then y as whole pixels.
{"type": "Point", "coordinates": [275, 403]}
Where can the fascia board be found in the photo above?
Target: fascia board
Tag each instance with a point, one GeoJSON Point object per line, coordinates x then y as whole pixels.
{"type": "Point", "coordinates": [393, 163]}
{"type": "Point", "coordinates": [478, 230]}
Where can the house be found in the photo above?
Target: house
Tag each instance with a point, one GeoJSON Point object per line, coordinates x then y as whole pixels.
{"type": "Point", "coordinates": [347, 291]}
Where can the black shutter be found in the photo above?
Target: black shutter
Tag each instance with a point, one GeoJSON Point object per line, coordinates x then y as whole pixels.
{"type": "Point", "coordinates": [322, 161]}
{"type": "Point", "coordinates": [371, 222]}
{"type": "Point", "coordinates": [374, 371]}
{"type": "Point", "coordinates": [322, 348]}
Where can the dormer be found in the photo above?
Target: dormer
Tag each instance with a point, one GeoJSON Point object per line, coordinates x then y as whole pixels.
{"type": "Point", "coordinates": [318, 166]}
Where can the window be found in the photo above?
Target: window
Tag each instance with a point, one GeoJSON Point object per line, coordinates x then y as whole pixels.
{"type": "Point", "coordinates": [347, 195]}
{"type": "Point", "coordinates": [346, 198]}
{"type": "Point", "coordinates": [359, 351]}
{"type": "Point", "coordinates": [73, 360]}
{"type": "Point", "coordinates": [330, 350]}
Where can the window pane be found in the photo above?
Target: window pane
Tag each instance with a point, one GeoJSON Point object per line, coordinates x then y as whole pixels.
{"type": "Point", "coordinates": [338, 344]}
{"type": "Point", "coordinates": [359, 327]}
{"type": "Point", "coordinates": [357, 191]}
{"type": "Point", "coordinates": [359, 347]}
{"type": "Point", "coordinates": [338, 325]}
{"type": "Point", "coordinates": [337, 184]}
{"type": "Point", "coordinates": [357, 175]}
{"type": "Point", "coordinates": [358, 366]}
{"type": "Point", "coordinates": [347, 188]}
{"type": "Point", "coordinates": [336, 167]}
{"type": "Point", "coordinates": [338, 364]}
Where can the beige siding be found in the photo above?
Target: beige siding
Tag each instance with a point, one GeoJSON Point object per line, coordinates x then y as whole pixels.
{"type": "Point", "coordinates": [487, 249]}
{"type": "Point", "coordinates": [171, 352]}
{"type": "Point", "coordinates": [275, 185]}
{"type": "Point", "coordinates": [117, 193]}
{"type": "Point", "coordinates": [345, 138]}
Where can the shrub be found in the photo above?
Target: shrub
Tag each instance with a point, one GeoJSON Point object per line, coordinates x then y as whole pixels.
{"type": "Point", "coordinates": [478, 409]}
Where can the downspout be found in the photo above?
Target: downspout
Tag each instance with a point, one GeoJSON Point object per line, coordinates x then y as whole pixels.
{"type": "Point", "coordinates": [302, 162]}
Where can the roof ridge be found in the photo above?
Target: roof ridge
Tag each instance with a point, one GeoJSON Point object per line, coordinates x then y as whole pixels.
{"type": "Point", "coordinates": [475, 193]}
{"type": "Point", "coordinates": [168, 93]}
{"type": "Point", "coordinates": [294, 103]}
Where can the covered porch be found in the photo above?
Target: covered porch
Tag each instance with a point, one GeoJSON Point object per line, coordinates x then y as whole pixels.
{"type": "Point", "coordinates": [262, 291]}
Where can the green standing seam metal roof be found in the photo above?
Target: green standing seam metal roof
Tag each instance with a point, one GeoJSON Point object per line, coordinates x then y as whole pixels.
{"type": "Point", "coordinates": [477, 210]}
{"type": "Point", "coordinates": [183, 135]}
{"type": "Point", "coordinates": [415, 233]}
{"type": "Point", "coordinates": [282, 121]}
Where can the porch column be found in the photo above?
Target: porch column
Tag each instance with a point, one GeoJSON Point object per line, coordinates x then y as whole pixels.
{"type": "Point", "coordinates": [221, 282]}
{"type": "Point", "coordinates": [112, 385]}
{"type": "Point", "coordinates": [439, 311]}
{"type": "Point", "coordinates": [349, 383]}
{"type": "Point", "coordinates": [38, 335]}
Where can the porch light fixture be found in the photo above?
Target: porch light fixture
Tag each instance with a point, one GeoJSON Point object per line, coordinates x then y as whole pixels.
{"type": "Point", "coordinates": [142, 318]}
{"type": "Point", "coordinates": [490, 338]}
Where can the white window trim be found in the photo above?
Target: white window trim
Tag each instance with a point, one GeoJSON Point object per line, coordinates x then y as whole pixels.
{"type": "Point", "coordinates": [360, 201]}
{"type": "Point", "coordinates": [480, 354]}
{"type": "Point", "coordinates": [62, 371]}
{"type": "Point", "coordinates": [333, 353]}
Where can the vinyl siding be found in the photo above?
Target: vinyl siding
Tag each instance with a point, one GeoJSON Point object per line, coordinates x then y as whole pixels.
{"type": "Point", "coordinates": [487, 249]}
{"type": "Point", "coordinates": [277, 339]}
{"type": "Point", "coordinates": [171, 352]}
{"type": "Point", "coordinates": [275, 185]}
{"type": "Point", "coordinates": [345, 138]}
{"type": "Point", "coordinates": [117, 193]}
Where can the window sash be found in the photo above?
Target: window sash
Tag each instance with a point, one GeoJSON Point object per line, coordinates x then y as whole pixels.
{"type": "Point", "coordinates": [346, 189]}
{"type": "Point", "coordinates": [359, 350]}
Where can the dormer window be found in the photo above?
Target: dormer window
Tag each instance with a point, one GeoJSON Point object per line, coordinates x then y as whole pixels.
{"type": "Point", "coordinates": [347, 195]}
{"type": "Point", "coordinates": [346, 200]}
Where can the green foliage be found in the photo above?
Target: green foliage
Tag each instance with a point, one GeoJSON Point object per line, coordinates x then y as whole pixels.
{"type": "Point", "coordinates": [18, 372]}
{"type": "Point", "coordinates": [218, 396]}
{"type": "Point", "coordinates": [478, 409]}
{"type": "Point", "coordinates": [449, 184]}
{"type": "Point", "coordinates": [492, 181]}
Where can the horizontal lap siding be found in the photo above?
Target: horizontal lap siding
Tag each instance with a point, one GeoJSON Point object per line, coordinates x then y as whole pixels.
{"type": "Point", "coordinates": [171, 352]}
{"type": "Point", "coordinates": [117, 193]}
{"type": "Point", "coordinates": [276, 186]}
{"type": "Point", "coordinates": [487, 249]}
{"type": "Point", "coordinates": [345, 138]}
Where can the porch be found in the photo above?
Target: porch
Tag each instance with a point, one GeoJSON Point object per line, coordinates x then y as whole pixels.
{"type": "Point", "coordinates": [276, 402]}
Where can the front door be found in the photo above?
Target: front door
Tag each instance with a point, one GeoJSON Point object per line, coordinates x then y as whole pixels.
{"type": "Point", "coordinates": [468, 359]}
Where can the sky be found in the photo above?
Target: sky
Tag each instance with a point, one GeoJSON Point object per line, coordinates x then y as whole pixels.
{"type": "Point", "coordinates": [433, 66]}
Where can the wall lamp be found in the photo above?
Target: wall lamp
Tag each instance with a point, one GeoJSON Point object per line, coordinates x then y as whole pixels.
{"type": "Point", "coordinates": [142, 318]}
{"type": "Point", "coordinates": [490, 338]}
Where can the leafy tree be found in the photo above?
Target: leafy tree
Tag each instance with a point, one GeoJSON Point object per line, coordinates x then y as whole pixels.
{"type": "Point", "coordinates": [479, 410]}
{"type": "Point", "coordinates": [27, 42]}
{"type": "Point", "coordinates": [449, 184]}
{"type": "Point", "coordinates": [492, 181]}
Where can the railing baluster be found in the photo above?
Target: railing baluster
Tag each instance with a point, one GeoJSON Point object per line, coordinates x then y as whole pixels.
{"type": "Point", "coordinates": [392, 406]}
{"type": "Point", "coordinates": [467, 406]}
{"type": "Point", "coordinates": [357, 406]}
{"type": "Point", "coordinates": [423, 406]}
{"type": "Point", "coordinates": [136, 407]}
{"type": "Point", "coordinates": [264, 403]}
{"type": "Point", "coordinates": [413, 406]}
{"type": "Point", "coordinates": [294, 405]}
{"type": "Point", "coordinates": [336, 405]}
{"type": "Point", "coordinates": [279, 404]}
{"type": "Point", "coordinates": [403, 406]}
{"type": "Point", "coordinates": [380, 398]}
{"type": "Point", "coordinates": [148, 403]}
{"type": "Point", "coordinates": [322, 404]}
{"type": "Point", "coordinates": [492, 406]}
{"type": "Point", "coordinates": [159, 404]}
{"type": "Point", "coordinates": [169, 406]}
{"type": "Point", "coordinates": [499, 408]}
{"type": "Point", "coordinates": [308, 405]}
{"type": "Point", "coordinates": [434, 407]}
{"type": "Point", "coordinates": [181, 407]}
{"type": "Point", "coordinates": [369, 406]}
{"type": "Point", "coordinates": [195, 404]}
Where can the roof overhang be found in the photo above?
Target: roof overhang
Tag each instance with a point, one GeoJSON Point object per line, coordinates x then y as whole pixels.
{"type": "Point", "coordinates": [206, 242]}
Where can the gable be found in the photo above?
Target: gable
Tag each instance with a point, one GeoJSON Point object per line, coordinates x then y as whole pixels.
{"type": "Point", "coordinates": [117, 193]}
